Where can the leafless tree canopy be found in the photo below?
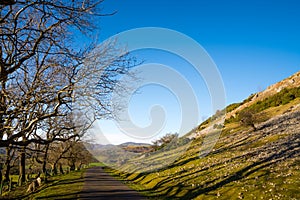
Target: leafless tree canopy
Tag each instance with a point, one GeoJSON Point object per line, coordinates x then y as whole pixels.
{"type": "Point", "coordinates": [42, 75]}
{"type": "Point", "coordinates": [50, 89]}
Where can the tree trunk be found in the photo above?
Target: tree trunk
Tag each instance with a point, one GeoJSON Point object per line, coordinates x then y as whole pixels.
{"type": "Point", "coordinates": [0, 174]}
{"type": "Point", "coordinates": [61, 169]}
{"type": "Point", "coordinates": [7, 164]}
{"type": "Point", "coordinates": [44, 167]}
{"type": "Point", "coordinates": [79, 166]}
{"type": "Point", "coordinates": [54, 169]}
{"type": "Point", "coordinates": [72, 166]}
{"type": "Point", "coordinates": [22, 165]}
{"type": "Point", "coordinates": [6, 173]}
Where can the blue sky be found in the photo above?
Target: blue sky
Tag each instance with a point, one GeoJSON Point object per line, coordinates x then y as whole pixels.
{"type": "Point", "coordinates": [253, 43]}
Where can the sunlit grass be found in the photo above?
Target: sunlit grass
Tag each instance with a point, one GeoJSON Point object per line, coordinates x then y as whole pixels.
{"type": "Point", "coordinates": [66, 186]}
{"type": "Point", "coordinates": [63, 187]}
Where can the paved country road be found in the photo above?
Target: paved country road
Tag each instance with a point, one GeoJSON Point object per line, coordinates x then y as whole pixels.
{"type": "Point", "coordinates": [100, 185]}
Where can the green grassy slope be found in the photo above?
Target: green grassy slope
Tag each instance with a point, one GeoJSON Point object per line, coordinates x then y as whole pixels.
{"type": "Point", "coordinates": [244, 164]}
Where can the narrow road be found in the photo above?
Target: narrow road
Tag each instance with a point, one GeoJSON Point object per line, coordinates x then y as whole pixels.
{"type": "Point", "coordinates": [100, 185]}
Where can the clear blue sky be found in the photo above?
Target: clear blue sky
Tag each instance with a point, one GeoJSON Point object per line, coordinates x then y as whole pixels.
{"type": "Point", "coordinates": [253, 43]}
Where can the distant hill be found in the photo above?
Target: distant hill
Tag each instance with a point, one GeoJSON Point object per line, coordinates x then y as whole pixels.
{"type": "Point", "coordinates": [245, 163]}
{"type": "Point", "coordinates": [133, 144]}
{"type": "Point", "coordinates": [115, 154]}
{"type": "Point", "coordinates": [95, 146]}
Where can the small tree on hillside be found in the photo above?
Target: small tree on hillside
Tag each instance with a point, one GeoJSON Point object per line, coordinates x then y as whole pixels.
{"type": "Point", "coordinates": [249, 117]}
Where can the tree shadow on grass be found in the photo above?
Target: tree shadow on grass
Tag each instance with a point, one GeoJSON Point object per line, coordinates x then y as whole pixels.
{"type": "Point", "coordinates": [60, 196]}
{"type": "Point", "coordinates": [53, 183]}
{"type": "Point", "coordinates": [276, 152]}
{"type": "Point", "coordinates": [289, 148]}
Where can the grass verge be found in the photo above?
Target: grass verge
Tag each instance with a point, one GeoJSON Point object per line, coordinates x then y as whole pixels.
{"type": "Point", "coordinates": [67, 186]}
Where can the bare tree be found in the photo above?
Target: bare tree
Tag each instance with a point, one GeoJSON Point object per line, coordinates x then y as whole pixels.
{"type": "Point", "coordinates": [77, 156]}
{"type": "Point", "coordinates": [45, 79]}
{"type": "Point", "coordinates": [34, 50]}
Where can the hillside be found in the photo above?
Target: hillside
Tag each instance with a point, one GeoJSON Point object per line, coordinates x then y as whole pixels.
{"type": "Point", "coordinates": [290, 82]}
{"type": "Point", "coordinates": [275, 95]}
{"type": "Point", "coordinates": [246, 163]}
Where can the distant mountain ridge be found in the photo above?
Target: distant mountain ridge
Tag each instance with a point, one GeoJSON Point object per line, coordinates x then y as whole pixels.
{"type": "Point", "coordinates": [133, 144]}
{"type": "Point", "coordinates": [115, 154]}
{"type": "Point", "coordinates": [125, 144]}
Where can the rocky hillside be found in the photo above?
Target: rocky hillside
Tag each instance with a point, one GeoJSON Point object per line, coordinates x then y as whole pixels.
{"type": "Point", "coordinates": [233, 110]}
{"type": "Point", "coordinates": [290, 82]}
{"type": "Point", "coordinates": [245, 163]}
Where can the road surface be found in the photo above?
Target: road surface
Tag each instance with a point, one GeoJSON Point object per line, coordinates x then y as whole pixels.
{"type": "Point", "coordinates": [100, 185]}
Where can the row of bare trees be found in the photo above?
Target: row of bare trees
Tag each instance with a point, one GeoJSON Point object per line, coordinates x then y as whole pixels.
{"type": "Point", "coordinates": [51, 88]}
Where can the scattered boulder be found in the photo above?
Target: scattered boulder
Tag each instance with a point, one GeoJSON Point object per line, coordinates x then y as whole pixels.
{"type": "Point", "coordinates": [34, 184]}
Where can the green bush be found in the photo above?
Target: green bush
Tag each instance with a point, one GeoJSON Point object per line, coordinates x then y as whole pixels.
{"type": "Point", "coordinates": [281, 98]}
{"type": "Point", "coordinates": [233, 106]}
